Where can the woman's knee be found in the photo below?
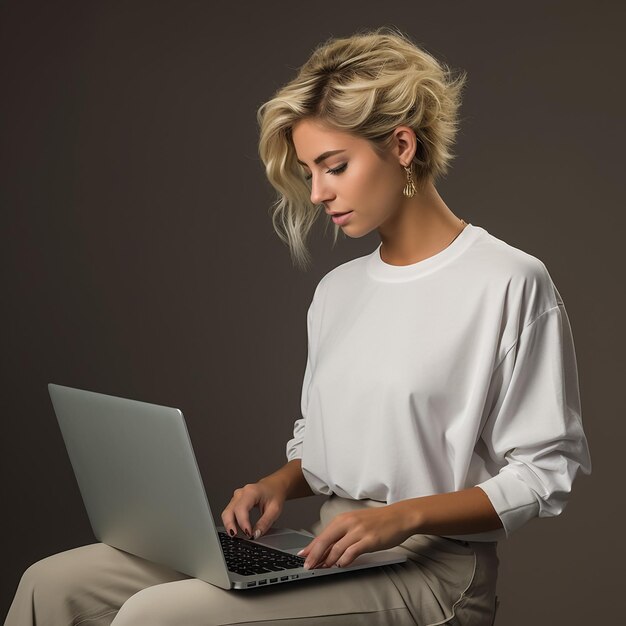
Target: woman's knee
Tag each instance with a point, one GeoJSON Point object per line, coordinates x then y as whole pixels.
{"type": "Point", "coordinates": [61, 588]}
{"type": "Point", "coordinates": [170, 604]}
{"type": "Point", "coordinates": [47, 572]}
{"type": "Point", "coordinates": [62, 570]}
{"type": "Point", "coordinates": [144, 607]}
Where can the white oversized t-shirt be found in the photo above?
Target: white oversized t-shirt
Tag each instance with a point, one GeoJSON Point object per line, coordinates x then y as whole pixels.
{"type": "Point", "coordinates": [455, 371]}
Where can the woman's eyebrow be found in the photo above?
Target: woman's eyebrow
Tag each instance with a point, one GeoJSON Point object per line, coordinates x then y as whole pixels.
{"type": "Point", "coordinates": [323, 156]}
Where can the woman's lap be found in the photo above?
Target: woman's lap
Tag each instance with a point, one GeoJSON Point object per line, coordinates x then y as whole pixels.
{"type": "Point", "coordinates": [442, 582]}
{"type": "Point", "coordinates": [360, 597]}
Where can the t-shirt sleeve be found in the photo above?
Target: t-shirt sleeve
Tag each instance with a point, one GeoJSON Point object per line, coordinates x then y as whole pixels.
{"type": "Point", "coordinates": [535, 427]}
{"type": "Point", "coordinates": [294, 445]}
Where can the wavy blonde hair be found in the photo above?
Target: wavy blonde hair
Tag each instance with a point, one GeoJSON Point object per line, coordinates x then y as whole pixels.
{"type": "Point", "coordinates": [367, 85]}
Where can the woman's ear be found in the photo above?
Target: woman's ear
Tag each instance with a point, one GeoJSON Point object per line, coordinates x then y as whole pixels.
{"type": "Point", "coordinates": [405, 145]}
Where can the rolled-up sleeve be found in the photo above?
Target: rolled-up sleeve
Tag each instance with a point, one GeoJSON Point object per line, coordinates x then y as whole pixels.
{"type": "Point", "coordinates": [535, 429]}
{"type": "Point", "coordinates": [294, 445]}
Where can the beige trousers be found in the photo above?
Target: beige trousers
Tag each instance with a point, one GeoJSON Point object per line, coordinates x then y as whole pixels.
{"type": "Point", "coordinates": [444, 581]}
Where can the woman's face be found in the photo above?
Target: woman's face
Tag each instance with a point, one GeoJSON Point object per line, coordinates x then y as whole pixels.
{"type": "Point", "coordinates": [355, 178]}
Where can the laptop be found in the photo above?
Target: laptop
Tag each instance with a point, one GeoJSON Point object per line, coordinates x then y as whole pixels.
{"type": "Point", "coordinates": [142, 489]}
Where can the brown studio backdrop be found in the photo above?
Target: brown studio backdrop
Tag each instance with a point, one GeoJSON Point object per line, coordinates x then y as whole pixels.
{"type": "Point", "coordinates": [139, 258]}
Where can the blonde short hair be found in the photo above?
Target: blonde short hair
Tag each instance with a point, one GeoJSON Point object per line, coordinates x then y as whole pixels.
{"type": "Point", "coordinates": [367, 84]}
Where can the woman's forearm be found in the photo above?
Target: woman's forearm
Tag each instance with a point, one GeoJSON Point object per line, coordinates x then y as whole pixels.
{"type": "Point", "coordinates": [456, 513]}
{"type": "Point", "coordinates": [292, 479]}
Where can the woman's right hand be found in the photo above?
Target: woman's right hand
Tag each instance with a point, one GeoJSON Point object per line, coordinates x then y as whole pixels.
{"type": "Point", "coordinates": [268, 494]}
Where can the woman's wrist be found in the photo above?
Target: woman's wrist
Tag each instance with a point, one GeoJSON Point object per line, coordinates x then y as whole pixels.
{"type": "Point", "coordinates": [277, 481]}
{"type": "Point", "coordinates": [290, 479]}
{"type": "Point", "coordinates": [412, 516]}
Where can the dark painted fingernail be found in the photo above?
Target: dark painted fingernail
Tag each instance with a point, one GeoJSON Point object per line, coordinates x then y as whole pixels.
{"type": "Point", "coordinates": [232, 532]}
{"type": "Point", "coordinates": [247, 533]}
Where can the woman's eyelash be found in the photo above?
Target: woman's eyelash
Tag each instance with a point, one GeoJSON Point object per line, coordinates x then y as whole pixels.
{"type": "Point", "coordinates": [336, 171]}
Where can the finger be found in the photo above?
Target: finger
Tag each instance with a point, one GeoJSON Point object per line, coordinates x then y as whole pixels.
{"type": "Point", "coordinates": [351, 553]}
{"type": "Point", "coordinates": [311, 550]}
{"type": "Point", "coordinates": [312, 561]}
{"type": "Point", "coordinates": [305, 551]}
{"type": "Point", "coordinates": [237, 514]}
{"type": "Point", "coordinates": [337, 551]}
{"type": "Point", "coordinates": [228, 514]}
{"type": "Point", "coordinates": [264, 523]}
{"type": "Point", "coordinates": [242, 515]}
{"type": "Point", "coordinates": [317, 557]}
{"type": "Point", "coordinates": [323, 543]}
{"type": "Point", "coordinates": [228, 519]}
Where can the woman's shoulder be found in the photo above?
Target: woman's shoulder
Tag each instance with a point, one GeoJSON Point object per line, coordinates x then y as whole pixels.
{"type": "Point", "coordinates": [522, 274]}
{"type": "Point", "coordinates": [343, 273]}
{"type": "Point", "coordinates": [507, 259]}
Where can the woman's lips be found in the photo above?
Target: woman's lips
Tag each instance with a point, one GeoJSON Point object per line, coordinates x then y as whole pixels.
{"type": "Point", "coordinates": [342, 218]}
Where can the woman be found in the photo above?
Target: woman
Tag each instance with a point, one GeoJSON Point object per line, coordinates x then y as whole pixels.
{"type": "Point", "coordinates": [440, 402]}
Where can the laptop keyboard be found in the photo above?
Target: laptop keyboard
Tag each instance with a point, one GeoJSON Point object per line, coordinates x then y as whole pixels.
{"type": "Point", "coordinates": [247, 558]}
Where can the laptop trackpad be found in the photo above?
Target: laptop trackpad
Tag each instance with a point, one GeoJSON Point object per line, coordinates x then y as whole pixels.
{"type": "Point", "coordinates": [285, 541]}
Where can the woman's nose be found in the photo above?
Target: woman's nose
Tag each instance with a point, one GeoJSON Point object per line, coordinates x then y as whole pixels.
{"type": "Point", "coordinates": [319, 193]}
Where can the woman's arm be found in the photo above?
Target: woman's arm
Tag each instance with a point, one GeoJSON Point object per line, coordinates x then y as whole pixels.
{"type": "Point", "coordinates": [368, 530]}
{"type": "Point", "coordinates": [292, 479]}
{"type": "Point", "coordinates": [455, 513]}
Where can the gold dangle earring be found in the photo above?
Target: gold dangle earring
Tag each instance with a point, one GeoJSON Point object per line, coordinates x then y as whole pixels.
{"type": "Point", "coordinates": [409, 188]}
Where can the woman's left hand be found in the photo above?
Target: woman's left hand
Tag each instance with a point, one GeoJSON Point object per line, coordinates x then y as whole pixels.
{"type": "Point", "coordinates": [350, 534]}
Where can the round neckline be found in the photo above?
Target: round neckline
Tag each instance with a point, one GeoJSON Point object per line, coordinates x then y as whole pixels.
{"type": "Point", "coordinates": [380, 270]}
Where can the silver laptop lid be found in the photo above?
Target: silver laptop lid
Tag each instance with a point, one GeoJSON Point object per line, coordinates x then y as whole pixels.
{"type": "Point", "coordinates": [140, 481]}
